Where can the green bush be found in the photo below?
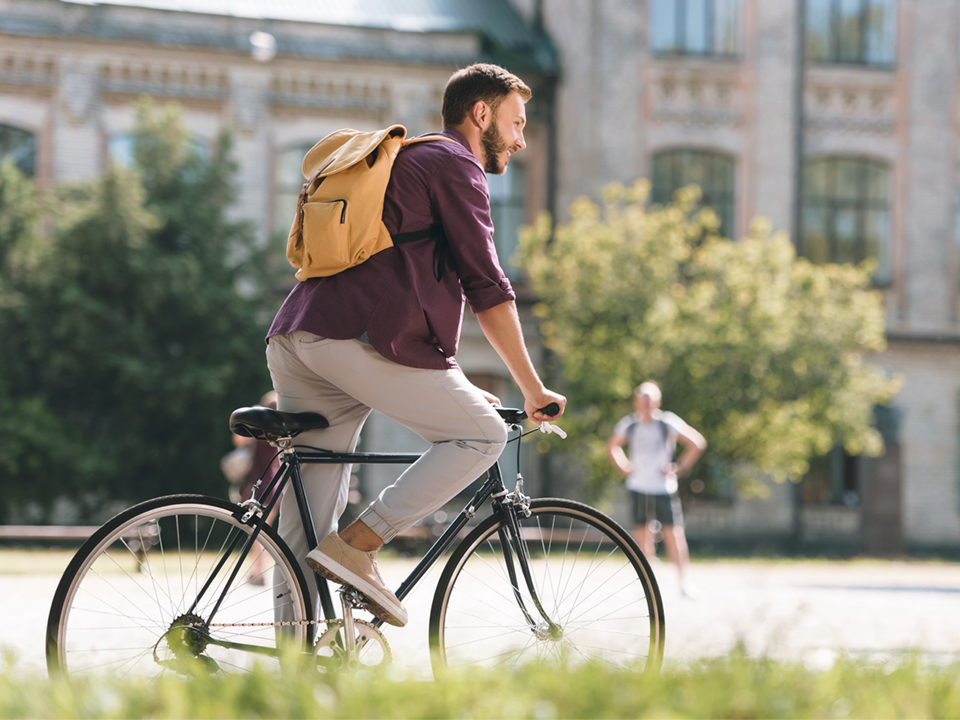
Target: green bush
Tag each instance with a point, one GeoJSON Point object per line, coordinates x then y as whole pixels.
{"type": "Point", "coordinates": [763, 352]}
{"type": "Point", "coordinates": [730, 687]}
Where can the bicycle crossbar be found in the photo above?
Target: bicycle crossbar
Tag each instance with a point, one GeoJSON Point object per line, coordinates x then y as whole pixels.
{"type": "Point", "coordinates": [333, 458]}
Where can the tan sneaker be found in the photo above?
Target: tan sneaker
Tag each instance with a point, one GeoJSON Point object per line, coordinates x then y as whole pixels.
{"type": "Point", "coordinates": [345, 565]}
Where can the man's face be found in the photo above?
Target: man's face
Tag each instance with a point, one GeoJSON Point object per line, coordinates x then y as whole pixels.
{"type": "Point", "coordinates": [644, 403]}
{"type": "Point", "coordinates": [504, 135]}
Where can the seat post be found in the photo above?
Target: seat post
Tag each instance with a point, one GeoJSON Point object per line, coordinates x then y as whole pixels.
{"type": "Point", "coordinates": [306, 518]}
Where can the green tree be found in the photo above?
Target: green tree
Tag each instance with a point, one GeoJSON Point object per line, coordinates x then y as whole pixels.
{"type": "Point", "coordinates": [126, 341]}
{"type": "Point", "coordinates": [763, 352]}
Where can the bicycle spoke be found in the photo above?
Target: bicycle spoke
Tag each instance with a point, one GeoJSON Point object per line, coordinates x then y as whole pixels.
{"type": "Point", "coordinates": [589, 577]}
{"type": "Point", "coordinates": [109, 620]}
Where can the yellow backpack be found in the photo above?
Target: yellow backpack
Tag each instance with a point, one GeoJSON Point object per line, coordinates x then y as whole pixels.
{"type": "Point", "coordinates": [339, 220]}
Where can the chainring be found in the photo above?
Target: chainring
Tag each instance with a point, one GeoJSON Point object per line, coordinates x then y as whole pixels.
{"type": "Point", "coordinates": [373, 650]}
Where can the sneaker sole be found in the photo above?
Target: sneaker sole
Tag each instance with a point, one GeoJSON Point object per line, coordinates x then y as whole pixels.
{"type": "Point", "coordinates": [342, 576]}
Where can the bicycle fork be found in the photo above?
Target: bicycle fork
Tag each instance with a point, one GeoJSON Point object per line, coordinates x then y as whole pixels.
{"type": "Point", "coordinates": [511, 540]}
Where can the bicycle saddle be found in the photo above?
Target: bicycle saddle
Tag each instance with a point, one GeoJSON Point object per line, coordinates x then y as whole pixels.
{"type": "Point", "coordinates": [263, 423]}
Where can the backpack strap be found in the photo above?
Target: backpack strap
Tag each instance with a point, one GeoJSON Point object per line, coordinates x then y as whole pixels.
{"type": "Point", "coordinates": [427, 138]}
{"type": "Point", "coordinates": [434, 231]}
{"type": "Point", "coordinates": [664, 432]}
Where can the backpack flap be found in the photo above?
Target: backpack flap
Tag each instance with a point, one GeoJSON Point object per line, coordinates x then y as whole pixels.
{"type": "Point", "coordinates": [341, 149]}
{"type": "Point", "coordinates": [339, 213]}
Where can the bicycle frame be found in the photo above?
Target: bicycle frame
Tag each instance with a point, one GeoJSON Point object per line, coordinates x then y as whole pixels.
{"type": "Point", "coordinates": [294, 457]}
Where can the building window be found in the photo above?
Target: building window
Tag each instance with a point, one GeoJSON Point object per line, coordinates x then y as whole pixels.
{"type": "Point", "coordinates": [712, 172]}
{"type": "Point", "coordinates": [833, 479]}
{"type": "Point", "coordinates": [120, 148]}
{"type": "Point", "coordinates": [856, 32]}
{"type": "Point", "coordinates": [287, 184]}
{"type": "Point", "coordinates": [19, 146]}
{"type": "Point", "coordinates": [695, 27]}
{"type": "Point", "coordinates": [508, 203]}
{"type": "Point", "coordinates": [713, 479]}
{"type": "Point", "coordinates": [846, 213]}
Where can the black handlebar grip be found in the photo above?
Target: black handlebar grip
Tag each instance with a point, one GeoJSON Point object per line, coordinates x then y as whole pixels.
{"type": "Point", "coordinates": [550, 410]}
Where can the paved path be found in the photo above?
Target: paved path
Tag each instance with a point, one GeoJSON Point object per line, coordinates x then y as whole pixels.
{"type": "Point", "coordinates": [809, 611]}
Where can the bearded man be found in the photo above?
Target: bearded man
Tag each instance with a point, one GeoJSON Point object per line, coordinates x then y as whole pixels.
{"type": "Point", "coordinates": [383, 335]}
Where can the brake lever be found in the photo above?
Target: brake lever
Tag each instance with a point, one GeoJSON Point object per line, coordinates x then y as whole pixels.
{"type": "Point", "coordinates": [549, 429]}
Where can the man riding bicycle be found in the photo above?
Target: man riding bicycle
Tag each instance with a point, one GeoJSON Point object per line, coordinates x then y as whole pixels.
{"type": "Point", "coordinates": [383, 335]}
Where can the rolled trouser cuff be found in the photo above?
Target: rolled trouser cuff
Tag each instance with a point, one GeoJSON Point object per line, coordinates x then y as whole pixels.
{"type": "Point", "coordinates": [378, 525]}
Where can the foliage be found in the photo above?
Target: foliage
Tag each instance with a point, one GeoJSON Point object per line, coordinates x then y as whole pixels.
{"type": "Point", "coordinates": [763, 352]}
{"type": "Point", "coordinates": [126, 342]}
{"type": "Point", "coordinates": [729, 687]}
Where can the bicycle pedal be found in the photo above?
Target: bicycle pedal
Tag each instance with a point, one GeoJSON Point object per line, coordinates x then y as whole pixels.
{"type": "Point", "coordinates": [353, 597]}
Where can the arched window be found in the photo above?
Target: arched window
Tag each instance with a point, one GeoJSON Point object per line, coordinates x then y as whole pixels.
{"type": "Point", "coordinates": [713, 172]}
{"type": "Point", "coordinates": [846, 212]}
{"type": "Point", "coordinates": [19, 146]}
{"type": "Point", "coordinates": [508, 203]}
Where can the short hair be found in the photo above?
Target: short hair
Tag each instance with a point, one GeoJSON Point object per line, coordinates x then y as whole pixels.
{"type": "Point", "coordinates": [480, 81]}
{"type": "Point", "coordinates": [648, 388]}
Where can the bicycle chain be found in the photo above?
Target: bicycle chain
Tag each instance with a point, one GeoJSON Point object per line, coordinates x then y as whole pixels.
{"type": "Point", "coordinates": [285, 623]}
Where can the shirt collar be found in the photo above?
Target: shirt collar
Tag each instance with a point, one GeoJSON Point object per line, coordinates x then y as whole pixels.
{"type": "Point", "coordinates": [459, 137]}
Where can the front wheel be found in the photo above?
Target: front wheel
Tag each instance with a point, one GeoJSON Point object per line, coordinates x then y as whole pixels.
{"type": "Point", "coordinates": [136, 599]}
{"type": "Point", "coordinates": [600, 600]}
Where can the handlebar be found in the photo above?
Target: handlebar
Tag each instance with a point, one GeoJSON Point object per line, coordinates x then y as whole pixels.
{"type": "Point", "coordinates": [515, 415]}
{"type": "Point", "coordinates": [550, 410]}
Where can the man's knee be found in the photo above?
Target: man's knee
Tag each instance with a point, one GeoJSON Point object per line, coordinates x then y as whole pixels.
{"type": "Point", "coordinates": [494, 432]}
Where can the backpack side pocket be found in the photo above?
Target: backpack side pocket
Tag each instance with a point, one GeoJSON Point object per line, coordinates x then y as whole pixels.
{"type": "Point", "coordinates": [325, 238]}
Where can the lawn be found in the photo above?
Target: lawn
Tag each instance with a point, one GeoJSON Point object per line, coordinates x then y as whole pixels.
{"type": "Point", "coordinates": [730, 687]}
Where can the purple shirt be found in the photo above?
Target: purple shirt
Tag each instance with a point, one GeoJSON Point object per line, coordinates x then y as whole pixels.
{"type": "Point", "coordinates": [409, 316]}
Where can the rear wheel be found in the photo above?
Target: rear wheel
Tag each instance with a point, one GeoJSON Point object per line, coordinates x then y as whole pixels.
{"type": "Point", "coordinates": [127, 603]}
{"type": "Point", "coordinates": [592, 581]}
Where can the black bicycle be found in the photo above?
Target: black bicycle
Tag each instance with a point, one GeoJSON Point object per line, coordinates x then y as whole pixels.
{"type": "Point", "coordinates": [165, 586]}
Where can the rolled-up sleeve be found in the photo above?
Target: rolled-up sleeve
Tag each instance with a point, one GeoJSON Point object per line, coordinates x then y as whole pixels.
{"type": "Point", "coordinates": [461, 196]}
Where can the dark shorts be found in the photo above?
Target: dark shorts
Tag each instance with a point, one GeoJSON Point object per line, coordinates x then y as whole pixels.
{"type": "Point", "coordinates": [663, 508]}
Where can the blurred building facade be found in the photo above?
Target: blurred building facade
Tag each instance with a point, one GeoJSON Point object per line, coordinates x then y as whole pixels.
{"type": "Point", "coordinates": [679, 91]}
{"type": "Point", "coordinates": [280, 74]}
{"type": "Point", "coordinates": [708, 91]}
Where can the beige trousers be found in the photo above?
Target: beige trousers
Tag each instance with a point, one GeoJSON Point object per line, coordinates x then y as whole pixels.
{"type": "Point", "coordinates": [343, 380]}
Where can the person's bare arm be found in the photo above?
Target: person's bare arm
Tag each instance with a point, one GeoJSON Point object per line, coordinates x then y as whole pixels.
{"type": "Point", "coordinates": [501, 326]}
{"type": "Point", "coordinates": [617, 456]}
{"type": "Point", "coordinates": [693, 446]}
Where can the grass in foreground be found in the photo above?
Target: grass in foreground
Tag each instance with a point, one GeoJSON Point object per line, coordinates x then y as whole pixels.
{"type": "Point", "coordinates": [729, 687]}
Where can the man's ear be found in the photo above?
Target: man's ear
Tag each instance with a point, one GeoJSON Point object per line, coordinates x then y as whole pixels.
{"type": "Point", "coordinates": [480, 114]}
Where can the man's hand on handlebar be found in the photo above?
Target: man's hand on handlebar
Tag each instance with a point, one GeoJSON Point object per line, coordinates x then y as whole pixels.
{"type": "Point", "coordinates": [547, 406]}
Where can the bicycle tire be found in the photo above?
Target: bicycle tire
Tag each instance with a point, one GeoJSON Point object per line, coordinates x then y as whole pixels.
{"type": "Point", "coordinates": [591, 577]}
{"type": "Point", "coordinates": [121, 596]}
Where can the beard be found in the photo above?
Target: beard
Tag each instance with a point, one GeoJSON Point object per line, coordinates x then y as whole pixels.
{"type": "Point", "coordinates": [494, 145]}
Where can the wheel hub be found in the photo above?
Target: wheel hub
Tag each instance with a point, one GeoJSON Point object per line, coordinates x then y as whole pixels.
{"type": "Point", "coordinates": [548, 632]}
{"type": "Point", "coordinates": [186, 638]}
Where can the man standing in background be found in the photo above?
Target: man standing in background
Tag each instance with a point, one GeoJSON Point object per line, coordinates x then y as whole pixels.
{"type": "Point", "coordinates": [651, 436]}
